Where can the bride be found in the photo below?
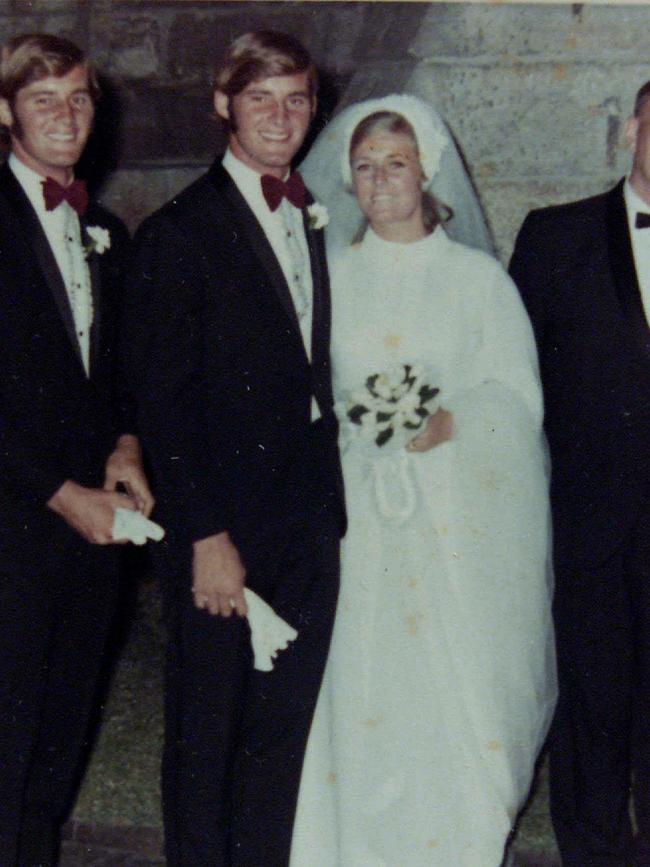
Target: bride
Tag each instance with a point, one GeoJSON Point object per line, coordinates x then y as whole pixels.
{"type": "Point", "coordinates": [440, 683]}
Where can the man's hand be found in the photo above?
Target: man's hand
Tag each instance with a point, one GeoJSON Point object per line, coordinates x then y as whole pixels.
{"type": "Point", "coordinates": [438, 429]}
{"type": "Point", "coordinates": [89, 511]}
{"type": "Point", "coordinates": [124, 466]}
{"type": "Point", "coordinates": [218, 576]}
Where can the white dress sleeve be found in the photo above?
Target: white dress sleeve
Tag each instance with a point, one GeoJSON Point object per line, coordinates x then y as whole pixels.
{"type": "Point", "coordinates": [487, 492]}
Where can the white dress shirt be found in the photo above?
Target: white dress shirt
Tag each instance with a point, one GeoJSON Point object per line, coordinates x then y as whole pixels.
{"type": "Point", "coordinates": [62, 230]}
{"type": "Point", "coordinates": [285, 232]}
{"type": "Point", "coordinates": [640, 243]}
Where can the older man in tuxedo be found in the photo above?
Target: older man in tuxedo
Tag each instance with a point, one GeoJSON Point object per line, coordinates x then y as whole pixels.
{"type": "Point", "coordinates": [227, 340]}
{"type": "Point", "coordinates": [584, 273]}
{"type": "Point", "coordinates": [64, 447]}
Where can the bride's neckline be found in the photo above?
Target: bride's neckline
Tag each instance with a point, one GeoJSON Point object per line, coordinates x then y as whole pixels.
{"type": "Point", "coordinates": [372, 240]}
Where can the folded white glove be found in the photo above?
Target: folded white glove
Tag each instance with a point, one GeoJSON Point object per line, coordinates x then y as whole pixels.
{"type": "Point", "coordinates": [134, 527]}
{"type": "Point", "coordinates": [269, 633]}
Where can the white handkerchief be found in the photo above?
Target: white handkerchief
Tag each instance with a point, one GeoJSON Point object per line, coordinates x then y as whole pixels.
{"type": "Point", "coordinates": [135, 527]}
{"type": "Point", "coordinates": [269, 633]}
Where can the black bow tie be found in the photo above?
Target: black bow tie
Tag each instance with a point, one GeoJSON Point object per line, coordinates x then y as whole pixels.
{"type": "Point", "coordinates": [642, 220]}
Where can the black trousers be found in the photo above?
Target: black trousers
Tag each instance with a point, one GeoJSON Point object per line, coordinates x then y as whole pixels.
{"type": "Point", "coordinates": [600, 740]}
{"type": "Point", "coordinates": [235, 737]}
{"type": "Point", "coordinates": [53, 630]}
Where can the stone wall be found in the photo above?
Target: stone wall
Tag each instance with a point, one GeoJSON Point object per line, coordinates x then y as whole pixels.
{"type": "Point", "coordinates": [536, 94]}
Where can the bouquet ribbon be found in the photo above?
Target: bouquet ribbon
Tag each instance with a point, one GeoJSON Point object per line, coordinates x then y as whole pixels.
{"type": "Point", "coordinates": [394, 489]}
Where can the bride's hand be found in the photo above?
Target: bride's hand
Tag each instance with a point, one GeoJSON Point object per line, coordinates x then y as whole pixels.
{"type": "Point", "coordinates": [438, 429]}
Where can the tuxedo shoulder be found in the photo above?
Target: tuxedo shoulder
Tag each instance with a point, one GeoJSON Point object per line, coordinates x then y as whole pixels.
{"type": "Point", "coordinates": [567, 214]}
{"type": "Point", "coordinates": [186, 208]}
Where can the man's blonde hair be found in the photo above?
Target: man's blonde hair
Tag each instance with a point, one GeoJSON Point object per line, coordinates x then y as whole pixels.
{"type": "Point", "coordinates": [33, 56]}
{"type": "Point", "coordinates": [262, 54]}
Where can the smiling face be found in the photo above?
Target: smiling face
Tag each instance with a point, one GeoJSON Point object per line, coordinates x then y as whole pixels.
{"type": "Point", "coordinates": [269, 121]}
{"type": "Point", "coordinates": [49, 121]}
{"type": "Point", "coordinates": [387, 180]}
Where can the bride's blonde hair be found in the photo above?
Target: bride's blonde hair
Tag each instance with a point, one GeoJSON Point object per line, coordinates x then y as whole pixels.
{"type": "Point", "coordinates": [434, 212]}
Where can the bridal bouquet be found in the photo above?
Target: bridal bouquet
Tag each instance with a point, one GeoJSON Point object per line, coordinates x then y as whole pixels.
{"type": "Point", "coordinates": [397, 401]}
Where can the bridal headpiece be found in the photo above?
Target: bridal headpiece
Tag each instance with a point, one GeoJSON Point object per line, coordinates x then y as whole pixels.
{"type": "Point", "coordinates": [430, 132]}
{"type": "Point", "coordinates": [327, 172]}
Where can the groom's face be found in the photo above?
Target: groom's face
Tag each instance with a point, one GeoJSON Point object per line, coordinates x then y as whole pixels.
{"type": "Point", "coordinates": [269, 121]}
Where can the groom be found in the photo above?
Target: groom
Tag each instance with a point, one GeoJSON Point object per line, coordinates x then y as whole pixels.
{"type": "Point", "coordinates": [227, 342]}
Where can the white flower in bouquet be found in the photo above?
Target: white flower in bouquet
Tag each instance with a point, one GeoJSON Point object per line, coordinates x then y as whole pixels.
{"type": "Point", "coordinates": [396, 400]}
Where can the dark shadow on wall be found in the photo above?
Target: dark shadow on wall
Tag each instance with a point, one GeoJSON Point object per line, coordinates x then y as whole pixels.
{"type": "Point", "coordinates": [330, 89]}
{"type": "Point", "coordinates": [104, 149]}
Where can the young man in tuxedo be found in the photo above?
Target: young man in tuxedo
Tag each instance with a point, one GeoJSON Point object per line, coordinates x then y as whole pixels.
{"type": "Point", "coordinates": [64, 448]}
{"type": "Point", "coordinates": [227, 340]}
{"type": "Point", "coordinates": [584, 273]}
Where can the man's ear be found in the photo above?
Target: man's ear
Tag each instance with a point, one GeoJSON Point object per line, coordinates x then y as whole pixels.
{"type": "Point", "coordinates": [631, 129]}
{"type": "Point", "coordinates": [6, 115]}
{"type": "Point", "coordinates": [314, 106]}
{"type": "Point", "coordinates": [221, 101]}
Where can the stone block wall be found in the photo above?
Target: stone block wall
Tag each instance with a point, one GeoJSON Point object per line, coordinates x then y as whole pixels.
{"type": "Point", "coordinates": [537, 94]}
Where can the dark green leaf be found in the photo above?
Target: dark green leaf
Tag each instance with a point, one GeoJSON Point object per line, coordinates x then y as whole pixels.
{"type": "Point", "coordinates": [426, 393]}
{"type": "Point", "coordinates": [384, 436]}
{"type": "Point", "coordinates": [357, 412]}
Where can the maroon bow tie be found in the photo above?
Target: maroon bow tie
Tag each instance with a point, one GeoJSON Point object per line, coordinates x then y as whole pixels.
{"type": "Point", "coordinates": [642, 220]}
{"type": "Point", "coordinates": [275, 189]}
{"type": "Point", "coordinates": [75, 195]}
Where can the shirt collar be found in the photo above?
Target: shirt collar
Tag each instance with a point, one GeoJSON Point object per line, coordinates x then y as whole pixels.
{"type": "Point", "coordinates": [32, 184]}
{"type": "Point", "coordinates": [246, 178]}
{"type": "Point", "coordinates": [29, 180]}
{"type": "Point", "coordinates": [633, 203]}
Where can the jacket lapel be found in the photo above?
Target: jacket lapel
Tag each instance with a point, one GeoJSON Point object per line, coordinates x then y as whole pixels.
{"type": "Point", "coordinates": [258, 241]}
{"type": "Point", "coordinates": [94, 267]}
{"type": "Point", "coordinates": [321, 316]}
{"type": "Point", "coordinates": [621, 260]}
{"type": "Point", "coordinates": [35, 238]}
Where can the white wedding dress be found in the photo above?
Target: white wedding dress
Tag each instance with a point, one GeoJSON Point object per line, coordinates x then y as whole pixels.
{"type": "Point", "coordinates": [440, 682]}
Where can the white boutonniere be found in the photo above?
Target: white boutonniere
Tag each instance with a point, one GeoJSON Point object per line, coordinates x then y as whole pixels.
{"type": "Point", "coordinates": [100, 240]}
{"type": "Point", "coordinates": [318, 216]}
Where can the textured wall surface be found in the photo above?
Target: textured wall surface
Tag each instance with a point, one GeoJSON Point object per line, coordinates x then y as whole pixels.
{"type": "Point", "coordinates": [537, 95]}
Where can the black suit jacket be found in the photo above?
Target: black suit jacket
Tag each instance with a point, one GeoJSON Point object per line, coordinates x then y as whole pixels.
{"type": "Point", "coordinates": [575, 270]}
{"type": "Point", "coordinates": [55, 422]}
{"type": "Point", "coordinates": [223, 382]}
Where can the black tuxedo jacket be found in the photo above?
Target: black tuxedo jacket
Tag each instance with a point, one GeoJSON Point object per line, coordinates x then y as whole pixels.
{"type": "Point", "coordinates": [55, 422]}
{"type": "Point", "coordinates": [575, 270]}
{"type": "Point", "coordinates": [224, 385]}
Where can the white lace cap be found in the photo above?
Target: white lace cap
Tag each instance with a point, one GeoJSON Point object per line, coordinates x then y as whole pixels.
{"type": "Point", "coordinates": [430, 132]}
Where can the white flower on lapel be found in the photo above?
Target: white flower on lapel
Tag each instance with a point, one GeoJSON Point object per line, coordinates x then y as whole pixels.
{"type": "Point", "coordinates": [318, 216]}
{"type": "Point", "coordinates": [100, 240]}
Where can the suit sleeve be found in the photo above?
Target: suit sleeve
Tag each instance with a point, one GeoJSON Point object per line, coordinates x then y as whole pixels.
{"type": "Point", "coordinates": [530, 268]}
{"type": "Point", "coordinates": [26, 463]}
{"type": "Point", "coordinates": [163, 350]}
{"type": "Point", "coordinates": [122, 248]}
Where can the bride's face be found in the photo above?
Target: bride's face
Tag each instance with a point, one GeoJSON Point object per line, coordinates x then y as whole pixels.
{"type": "Point", "coordinates": [387, 176]}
